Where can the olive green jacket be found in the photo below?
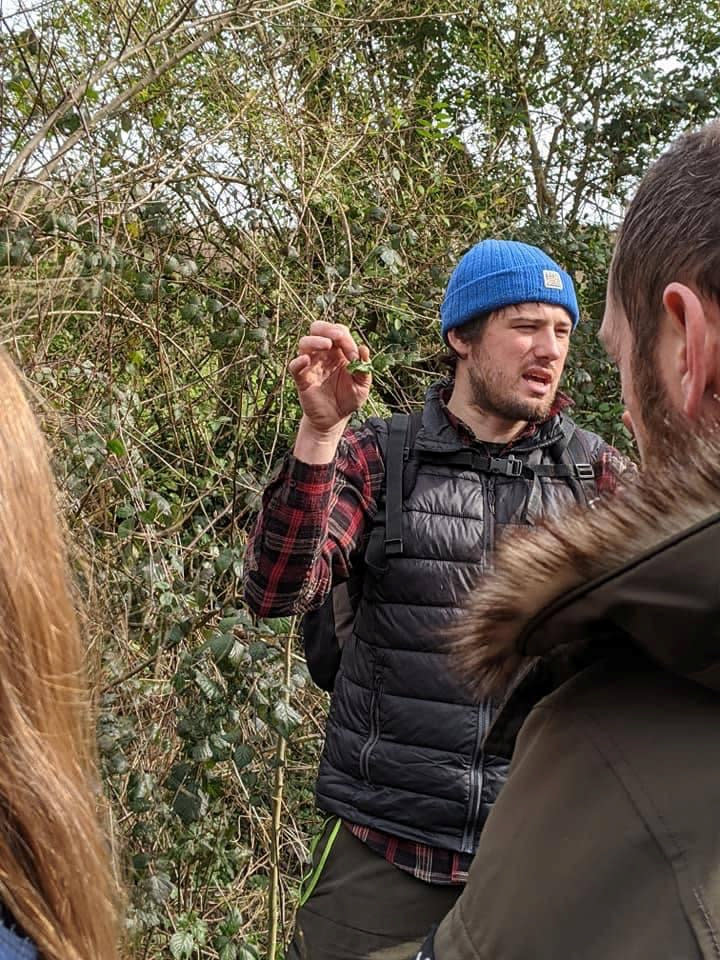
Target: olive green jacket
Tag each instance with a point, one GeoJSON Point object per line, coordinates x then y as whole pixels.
{"type": "Point", "coordinates": [605, 842]}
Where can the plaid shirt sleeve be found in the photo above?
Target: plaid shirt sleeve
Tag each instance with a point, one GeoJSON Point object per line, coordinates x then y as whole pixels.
{"type": "Point", "coordinates": [311, 526]}
{"type": "Point", "coordinates": [612, 469]}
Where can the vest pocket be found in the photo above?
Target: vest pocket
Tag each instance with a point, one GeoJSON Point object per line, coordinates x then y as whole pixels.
{"type": "Point", "coordinates": [374, 734]}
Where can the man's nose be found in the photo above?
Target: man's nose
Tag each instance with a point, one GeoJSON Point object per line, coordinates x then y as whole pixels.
{"type": "Point", "coordinates": [547, 345]}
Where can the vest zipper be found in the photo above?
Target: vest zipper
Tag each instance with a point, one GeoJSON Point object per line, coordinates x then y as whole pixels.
{"type": "Point", "coordinates": [488, 520]}
{"type": "Point", "coordinates": [476, 773]}
{"type": "Point", "coordinates": [374, 734]}
{"type": "Point", "coordinates": [476, 780]}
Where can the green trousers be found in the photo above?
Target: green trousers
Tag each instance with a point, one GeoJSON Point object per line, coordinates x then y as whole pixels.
{"type": "Point", "coordinates": [357, 906]}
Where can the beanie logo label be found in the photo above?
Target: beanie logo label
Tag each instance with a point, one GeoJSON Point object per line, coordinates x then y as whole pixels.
{"type": "Point", "coordinates": [552, 280]}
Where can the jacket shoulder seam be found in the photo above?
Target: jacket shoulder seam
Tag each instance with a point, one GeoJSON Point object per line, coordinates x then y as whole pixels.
{"type": "Point", "coordinates": [705, 913]}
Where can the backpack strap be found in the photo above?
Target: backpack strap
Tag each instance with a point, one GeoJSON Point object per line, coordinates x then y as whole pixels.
{"type": "Point", "coordinates": [471, 459]}
{"type": "Point", "coordinates": [412, 460]}
{"type": "Point", "coordinates": [571, 463]}
{"type": "Point", "coordinates": [577, 454]}
{"type": "Point", "coordinates": [401, 468]}
{"type": "Point", "coordinates": [321, 643]}
{"type": "Point", "coordinates": [394, 460]}
{"type": "Point", "coordinates": [325, 629]}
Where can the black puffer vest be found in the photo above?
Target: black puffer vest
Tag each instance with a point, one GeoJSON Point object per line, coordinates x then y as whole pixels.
{"type": "Point", "coordinates": [403, 750]}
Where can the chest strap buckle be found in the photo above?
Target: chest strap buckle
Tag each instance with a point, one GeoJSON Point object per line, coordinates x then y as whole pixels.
{"type": "Point", "coordinates": [508, 468]}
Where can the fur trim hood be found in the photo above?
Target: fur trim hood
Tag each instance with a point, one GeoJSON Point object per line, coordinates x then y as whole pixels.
{"type": "Point", "coordinates": [642, 567]}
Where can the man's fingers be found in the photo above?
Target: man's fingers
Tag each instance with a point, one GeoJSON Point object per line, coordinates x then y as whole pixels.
{"type": "Point", "coordinates": [339, 334]}
{"type": "Point", "coordinates": [298, 364]}
{"type": "Point", "coordinates": [364, 352]}
{"type": "Point", "coordinates": [311, 344]}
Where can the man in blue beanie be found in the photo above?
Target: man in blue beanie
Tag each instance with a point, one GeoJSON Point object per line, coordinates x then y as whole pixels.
{"type": "Point", "coordinates": [379, 531]}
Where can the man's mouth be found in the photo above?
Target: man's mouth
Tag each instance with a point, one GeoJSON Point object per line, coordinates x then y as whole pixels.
{"type": "Point", "coordinates": [539, 378]}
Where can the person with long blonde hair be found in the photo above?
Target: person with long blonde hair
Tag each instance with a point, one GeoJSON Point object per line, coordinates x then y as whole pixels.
{"type": "Point", "coordinates": [58, 894]}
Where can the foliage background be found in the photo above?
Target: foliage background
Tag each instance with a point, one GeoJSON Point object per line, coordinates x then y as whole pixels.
{"type": "Point", "coordinates": [184, 186]}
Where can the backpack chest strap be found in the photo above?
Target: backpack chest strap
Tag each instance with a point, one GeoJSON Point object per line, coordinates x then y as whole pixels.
{"type": "Point", "coordinates": [508, 466]}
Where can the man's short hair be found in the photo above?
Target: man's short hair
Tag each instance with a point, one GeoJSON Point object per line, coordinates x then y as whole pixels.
{"type": "Point", "coordinates": [671, 233]}
{"type": "Point", "coordinates": [470, 332]}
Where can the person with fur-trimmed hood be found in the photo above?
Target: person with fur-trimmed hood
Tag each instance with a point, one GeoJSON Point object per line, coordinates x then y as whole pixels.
{"type": "Point", "coordinates": [603, 634]}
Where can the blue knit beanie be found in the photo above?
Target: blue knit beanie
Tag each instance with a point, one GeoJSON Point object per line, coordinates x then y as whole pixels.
{"type": "Point", "coordinates": [498, 273]}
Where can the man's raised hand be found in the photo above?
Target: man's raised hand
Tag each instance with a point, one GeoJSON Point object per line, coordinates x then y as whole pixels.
{"type": "Point", "coordinates": [329, 392]}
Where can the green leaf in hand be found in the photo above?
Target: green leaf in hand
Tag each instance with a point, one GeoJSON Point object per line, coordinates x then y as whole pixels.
{"type": "Point", "coordinates": [360, 366]}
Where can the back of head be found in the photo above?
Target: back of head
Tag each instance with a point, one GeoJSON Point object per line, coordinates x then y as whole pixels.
{"type": "Point", "coordinates": [55, 875]}
{"type": "Point", "coordinates": [671, 232]}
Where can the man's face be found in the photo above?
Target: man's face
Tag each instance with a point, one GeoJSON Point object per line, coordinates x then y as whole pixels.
{"type": "Point", "coordinates": [514, 368]}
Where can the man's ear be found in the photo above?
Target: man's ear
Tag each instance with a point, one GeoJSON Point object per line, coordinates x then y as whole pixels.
{"type": "Point", "coordinates": [692, 347]}
{"type": "Point", "coordinates": [460, 346]}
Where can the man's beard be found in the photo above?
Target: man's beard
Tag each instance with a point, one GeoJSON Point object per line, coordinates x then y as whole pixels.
{"type": "Point", "coordinates": [666, 430]}
{"type": "Point", "coordinates": [490, 395]}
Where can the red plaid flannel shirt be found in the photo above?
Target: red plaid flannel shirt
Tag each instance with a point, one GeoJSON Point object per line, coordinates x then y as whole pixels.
{"type": "Point", "coordinates": [310, 532]}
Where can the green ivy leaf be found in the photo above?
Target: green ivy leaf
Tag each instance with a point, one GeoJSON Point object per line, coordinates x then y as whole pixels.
{"type": "Point", "coordinates": [359, 366]}
{"type": "Point", "coordinates": [190, 805]}
{"type": "Point", "coordinates": [232, 924]}
{"type": "Point", "coordinates": [202, 750]}
{"type": "Point", "coordinates": [280, 626]}
{"type": "Point", "coordinates": [210, 690]}
{"type": "Point", "coordinates": [182, 944]}
{"type": "Point", "coordinates": [243, 755]}
{"type": "Point", "coordinates": [248, 952]}
{"type": "Point", "coordinates": [224, 560]}
{"type": "Point", "coordinates": [221, 646]}
{"type": "Point", "coordinates": [116, 446]}
{"type": "Point", "coordinates": [391, 258]}
{"type": "Point", "coordinates": [140, 790]}
{"type": "Point", "coordinates": [160, 887]}
{"type": "Point", "coordinates": [284, 718]}
{"type": "Point", "coordinates": [258, 650]}
{"type": "Point", "coordinates": [239, 617]}
{"type": "Point", "coordinates": [178, 776]}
